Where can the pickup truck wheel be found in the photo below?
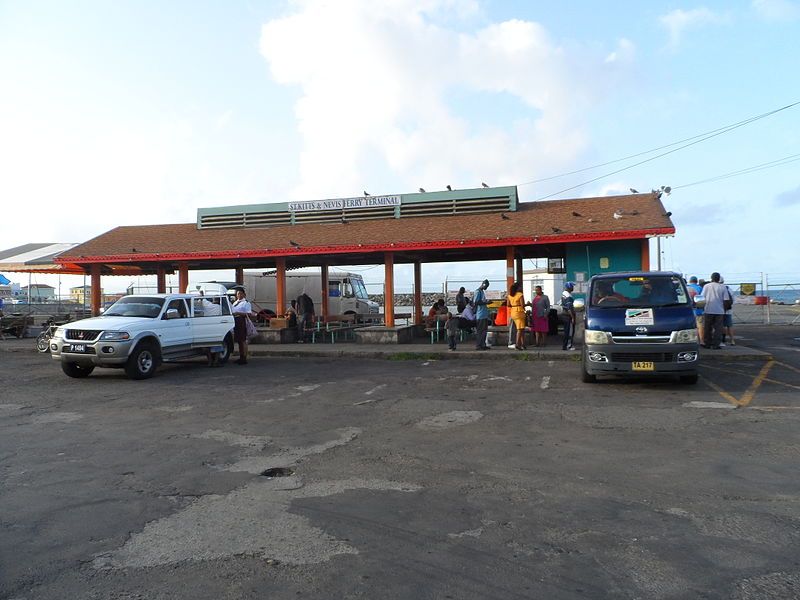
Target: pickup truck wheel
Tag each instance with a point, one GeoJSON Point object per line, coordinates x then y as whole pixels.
{"type": "Point", "coordinates": [143, 361]}
{"type": "Point", "coordinates": [227, 345]}
{"type": "Point", "coordinates": [76, 370]}
{"type": "Point", "coordinates": [586, 377]}
{"type": "Point", "coordinates": [689, 379]}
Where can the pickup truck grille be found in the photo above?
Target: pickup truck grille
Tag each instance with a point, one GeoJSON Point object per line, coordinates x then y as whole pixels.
{"type": "Point", "coordinates": [659, 357]}
{"type": "Point", "coordinates": [82, 335]}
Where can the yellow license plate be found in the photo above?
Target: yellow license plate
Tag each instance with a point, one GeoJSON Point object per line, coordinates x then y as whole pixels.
{"type": "Point", "coordinates": [643, 366]}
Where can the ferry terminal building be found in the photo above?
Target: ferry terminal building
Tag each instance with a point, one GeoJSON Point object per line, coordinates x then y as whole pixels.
{"type": "Point", "coordinates": [579, 237]}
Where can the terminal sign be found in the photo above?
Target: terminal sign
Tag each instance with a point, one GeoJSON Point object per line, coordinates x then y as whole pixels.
{"type": "Point", "coordinates": [345, 203]}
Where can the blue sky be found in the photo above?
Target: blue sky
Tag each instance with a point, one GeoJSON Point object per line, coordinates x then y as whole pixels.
{"type": "Point", "coordinates": [130, 113]}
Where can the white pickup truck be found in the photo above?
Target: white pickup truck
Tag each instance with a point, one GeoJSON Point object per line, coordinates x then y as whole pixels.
{"type": "Point", "coordinates": [139, 332]}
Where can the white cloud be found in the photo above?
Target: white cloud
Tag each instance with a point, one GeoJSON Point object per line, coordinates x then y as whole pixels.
{"type": "Point", "coordinates": [625, 52]}
{"type": "Point", "coordinates": [375, 79]}
{"type": "Point", "coordinates": [678, 21]}
{"type": "Point", "coordinates": [777, 10]}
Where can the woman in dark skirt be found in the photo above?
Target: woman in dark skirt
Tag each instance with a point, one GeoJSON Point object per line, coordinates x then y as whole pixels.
{"type": "Point", "coordinates": [241, 311]}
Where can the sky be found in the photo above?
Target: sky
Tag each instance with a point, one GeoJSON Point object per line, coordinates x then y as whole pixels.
{"type": "Point", "coordinates": [141, 112]}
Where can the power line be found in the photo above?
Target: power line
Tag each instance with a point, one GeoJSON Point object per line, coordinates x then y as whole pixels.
{"type": "Point", "coordinates": [767, 165]}
{"type": "Point", "coordinates": [696, 139]}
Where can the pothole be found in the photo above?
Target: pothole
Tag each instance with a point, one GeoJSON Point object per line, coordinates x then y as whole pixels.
{"type": "Point", "coordinates": [277, 472]}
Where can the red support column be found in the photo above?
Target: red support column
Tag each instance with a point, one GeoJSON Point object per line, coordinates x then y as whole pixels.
{"type": "Point", "coordinates": [161, 280]}
{"type": "Point", "coordinates": [509, 268]}
{"type": "Point", "coordinates": [280, 286]}
{"type": "Point", "coordinates": [240, 275]}
{"type": "Point", "coordinates": [645, 254]}
{"type": "Point", "coordinates": [183, 277]}
{"type": "Point", "coordinates": [388, 289]}
{"type": "Point", "coordinates": [95, 283]}
{"type": "Point", "coordinates": [418, 293]}
{"type": "Point", "coordinates": [323, 270]}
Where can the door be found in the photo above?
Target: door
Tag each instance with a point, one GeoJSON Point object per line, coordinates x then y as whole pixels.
{"type": "Point", "coordinates": [176, 333]}
{"type": "Point", "coordinates": [211, 319]}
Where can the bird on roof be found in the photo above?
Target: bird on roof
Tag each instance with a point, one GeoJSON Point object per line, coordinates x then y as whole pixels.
{"type": "Point", "coordinates": [293, 243]}
{"type": "Point", "coordinates": [449, 189]}
{"type": "Point", "coordinates": [421, 190]}
{"type": "Point", "coordinates": [575, 213]}
{"type": "Point", "coordinates": [668, 214]}
{"type": "Point", "coordinates": [555, 230]}
{"type": "Point", "coordinates": [505, 217]}
{"type": "Point", "coordinates": [633, 191]}
{"type": "Point", "coordinates": [617, 214]}
{"type": "Point", "coordinates": [590, 220]}
{"type": "Point", "coordinates": [366, 193]}
{"type": "Point", "coordinates": [483, 184]}
{"type": "Point", "coordinates": [344, 221]}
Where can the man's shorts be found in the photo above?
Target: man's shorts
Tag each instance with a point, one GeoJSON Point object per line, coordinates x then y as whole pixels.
{"type": "Point", "coordinates": [727, 320]}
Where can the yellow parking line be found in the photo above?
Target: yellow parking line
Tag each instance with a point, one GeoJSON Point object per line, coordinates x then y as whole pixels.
{"type": "Point", "coordinates": [766, 379]}
{"type": "Point", "coordinates": [751, 391]}
{"type": "Point", "coordinates": [721, 392]}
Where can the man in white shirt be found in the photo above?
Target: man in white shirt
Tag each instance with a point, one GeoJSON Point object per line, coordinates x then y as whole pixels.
{"type": "Point", "coordinates": [714, 312]}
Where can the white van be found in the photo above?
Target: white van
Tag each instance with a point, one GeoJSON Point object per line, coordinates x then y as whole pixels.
{"type": "Point", "coordinates": [347, 294]}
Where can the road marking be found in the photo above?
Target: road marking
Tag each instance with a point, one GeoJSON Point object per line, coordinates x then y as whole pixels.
{"type": "Point", "coordinates": [721, 392]}
{"type": "Point", "coordinates": [751, 391]}
{"type": "Point", "coordinates": [545, 382]}
{"type": "Point", "coordinates": [766, 379]}
{"type": "Point", "coordinates": [375, 389]}
{"type": "Point", "coordinates": [790, 367]}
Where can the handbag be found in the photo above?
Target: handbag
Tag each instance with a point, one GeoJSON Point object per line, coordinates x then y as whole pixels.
{"type": "Point", "coordinates": [250, 328]}
{"type": "Point", "coordinates": [727, 303]}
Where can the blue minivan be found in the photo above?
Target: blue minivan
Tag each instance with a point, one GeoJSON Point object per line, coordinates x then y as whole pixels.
{"type": "Point", "coordinates": [639, 324]}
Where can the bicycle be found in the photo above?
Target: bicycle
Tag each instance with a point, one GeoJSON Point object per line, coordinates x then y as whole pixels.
{"type": "Point", "coordinates": [43, 339]}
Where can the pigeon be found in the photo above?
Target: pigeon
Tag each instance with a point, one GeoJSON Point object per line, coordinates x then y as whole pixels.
{"type": "Point", "coordinates": [575, 213]}
{"type": "Point", "coordinates": [449, 189]}
{"type": "Point", "coordinates": [366, 193]}
{"type": "Point", "coordinates": [617, 214]}
{"type": "Point", "coordinates": [293, 243]}
{"type": "Point", "coordinates": [668, 214]}
{"type": "Point", "coordinates": [555, 230]}
{"type": "Point", "coordinates": [483, 184]}
{"type": "Point", "coordinates": [590, 220]}
{"type": "Point", "coordinates": [633, 191]}
{"type": "Point", "coordinates": [421, 190]}
{"type": "Point", "coordinates": [344, 221]}
{"type": "Point", "coordinates": [505, 217]}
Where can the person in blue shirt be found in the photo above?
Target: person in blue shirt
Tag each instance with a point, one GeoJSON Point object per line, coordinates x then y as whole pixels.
{"type": "Point", "coordinates": [480, 303]}
{"type": "Point", "coordinates": [695, 289]}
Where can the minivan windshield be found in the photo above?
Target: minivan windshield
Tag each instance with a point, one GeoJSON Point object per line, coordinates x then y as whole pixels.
{"type": "Point", "coordinates": [638, 291]}
{"type": "Point", "coordinates": [135, 306]}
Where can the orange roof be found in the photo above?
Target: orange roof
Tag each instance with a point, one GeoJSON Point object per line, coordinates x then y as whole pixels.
{"type": "Point", "coordinates": [557, 221]}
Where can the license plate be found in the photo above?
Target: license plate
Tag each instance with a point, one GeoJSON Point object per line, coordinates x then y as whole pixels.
{"type": "Point", "coordinates": [643, 366]}
{"type": "Point", "coordinates": [78, 348]}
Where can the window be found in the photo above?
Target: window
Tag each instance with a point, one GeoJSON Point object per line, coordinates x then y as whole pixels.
{"type": "Point", "coordinates": [179, 305]}
{"type": "Point", "coordinates": [207, 306]}
{"type": "Point", "coordinates": [638, 291]}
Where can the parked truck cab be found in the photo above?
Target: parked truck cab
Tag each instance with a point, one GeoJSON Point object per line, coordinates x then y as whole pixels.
{"type": "Point", "coordinates": [639, 324]}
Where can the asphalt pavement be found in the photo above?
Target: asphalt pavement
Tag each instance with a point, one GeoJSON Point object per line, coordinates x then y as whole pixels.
{"type": "Point", "coordinates": [403, 475]}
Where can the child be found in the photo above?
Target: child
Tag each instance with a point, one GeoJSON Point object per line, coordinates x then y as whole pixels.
{"type": "Point", "coordinates": [452, 331]}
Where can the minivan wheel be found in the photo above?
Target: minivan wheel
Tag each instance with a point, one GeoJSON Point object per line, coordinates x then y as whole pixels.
{"type": "Point", "coordinates": [689, 379]}
{"type": "Point", "coordinates": [76, 370]}
{"type": "Point", "coordinates": [586, 377]}
{"type": "Point", "coordinates": [143, 361]}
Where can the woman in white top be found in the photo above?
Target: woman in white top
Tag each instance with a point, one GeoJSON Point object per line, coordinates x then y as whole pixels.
{"type": "Point", "coordinates": [241, 311]}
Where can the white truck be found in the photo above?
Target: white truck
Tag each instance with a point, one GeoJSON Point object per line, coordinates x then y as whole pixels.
{"type": "Point", "coordinates": [139, 332]}
{"type": "Point", "coordinates": [347, 294]}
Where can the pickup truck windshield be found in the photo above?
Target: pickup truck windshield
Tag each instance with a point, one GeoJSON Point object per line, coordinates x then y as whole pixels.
{"type": "Point", "coordinates": [638, 291]}
{"type": "Point", "coordinates": [135, 306]}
